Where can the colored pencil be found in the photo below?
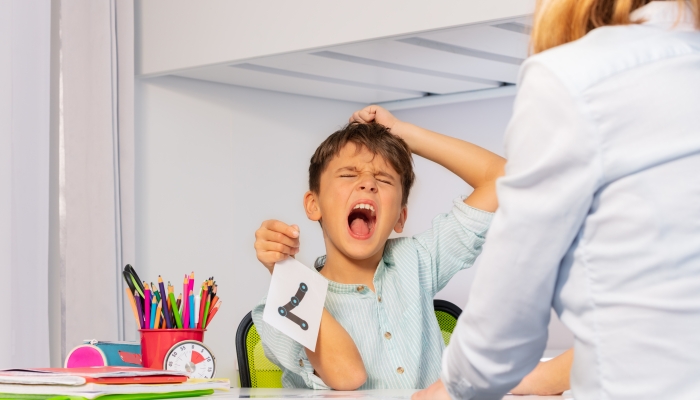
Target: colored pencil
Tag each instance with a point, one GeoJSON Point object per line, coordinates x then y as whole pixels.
{"type": "Point", "coordinates": [154, 306]}
{"type": "Point", "coordinates": [185, 311]}
{"type": "Point", "coordinates": [191, 282]}
{"type": "Point", "coordinates": [133, 303]}
{"type": "Point", "coordinates": [202, 305]}
{"type": "Point", "coordinates": [206, 312]}
{"type": "Point", "coordinates": [191, 309]}
{"type": "Point", "coordinates": [159, 309]}
{"type": "Point", "coordinates": [179, 304]}
{"type": "Point", "coordinates": [164, 302]}
{"type": "Point", "coordinates": [214, 310]}
{"type": "Point", "coordinates": [171, 316]}
{"type": "Point", "coordinates": [173, 304]}
{"type": "Point", "coordinates": [139, 309]}
{"type": "Point", "coordinates": [147, 306]}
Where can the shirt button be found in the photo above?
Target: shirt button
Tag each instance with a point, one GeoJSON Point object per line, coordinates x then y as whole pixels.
{"type": "Point", "coordinates": [387, 335]}
{"type": "Point", "coordinates": [379, 298]}
{"type": "Point", "coordinates": [360, 288]}
{"type": "Point", "coordinates": [399, 370]}
{"type": "Point", "coordinates": [301, 362]}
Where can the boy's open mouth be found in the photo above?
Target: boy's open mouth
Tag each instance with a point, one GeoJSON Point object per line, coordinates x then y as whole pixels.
{"type": "Point", "coordinates": [361, 220]}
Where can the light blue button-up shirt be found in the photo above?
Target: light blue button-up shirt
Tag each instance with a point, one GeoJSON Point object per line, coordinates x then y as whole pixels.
{"type": "Point", "coordinates": [394, 328]}
{"type": "Point", "coordinates": [599, 217]}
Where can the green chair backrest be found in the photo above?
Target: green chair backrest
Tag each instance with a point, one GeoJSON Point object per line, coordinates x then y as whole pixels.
{"type": "Point", "coordinates": [256, 371]}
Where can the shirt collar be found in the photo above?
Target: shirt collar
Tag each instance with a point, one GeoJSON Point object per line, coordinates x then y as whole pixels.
{"type": "Point", "coordinates": [664, 14]}
{"type": "Point", "coordinates": [387, 261]}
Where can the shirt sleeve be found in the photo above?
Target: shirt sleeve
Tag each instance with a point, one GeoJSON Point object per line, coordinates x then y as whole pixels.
{"type": "Point", "coordinates": [452, 244]}
{"type": "Point", "coordinates": [286, 353]}
{"type": "Point", "coordinates": [552, 172]}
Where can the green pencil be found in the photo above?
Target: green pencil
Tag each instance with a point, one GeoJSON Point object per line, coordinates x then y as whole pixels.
{"type": "Point", "coordinates": [173, 306]}
{"type": "Point", "coordinates": [206, 313]}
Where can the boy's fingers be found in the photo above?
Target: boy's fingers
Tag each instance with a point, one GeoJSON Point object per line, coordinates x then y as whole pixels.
{"type": "Point", "coordinates": [279, 226]}
{"type": "Point", "coordinates": [278, 247]}
{"type": "Point", "coordinates": [277, 237]}
{"type": "Point", "coordinates": [363, 116]}
{"type": "Point", "coordinates": [367, 114]}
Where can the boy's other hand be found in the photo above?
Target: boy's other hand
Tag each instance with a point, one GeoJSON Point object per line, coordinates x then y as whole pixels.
{"type": "Point", "coordinates": [376, 114]}
{"type": "Point", "coordinates": [275, 241]}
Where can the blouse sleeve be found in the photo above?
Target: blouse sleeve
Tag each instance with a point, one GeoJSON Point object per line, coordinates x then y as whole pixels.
{"type": "Point", "coordinates": [552, 172]}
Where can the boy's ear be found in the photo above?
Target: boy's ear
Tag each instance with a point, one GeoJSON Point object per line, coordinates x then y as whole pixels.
{"type": "Point", "coordinates": [402, 220]}
{"type": "Point", "coordinates": [313, 211]}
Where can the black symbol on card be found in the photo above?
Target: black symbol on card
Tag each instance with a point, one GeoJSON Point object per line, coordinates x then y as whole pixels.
{"type": "Point", "coordinates": [286, 311]}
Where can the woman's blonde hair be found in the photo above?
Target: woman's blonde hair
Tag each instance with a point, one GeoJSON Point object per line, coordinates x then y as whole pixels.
{"type": "Point", "coordinates": [562, 21]}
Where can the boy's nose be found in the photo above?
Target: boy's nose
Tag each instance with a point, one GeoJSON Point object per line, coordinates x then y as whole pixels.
{"type": "Point", "coordinates": [371, 188]}
{"type": "Point", "coordinates": [368, 184]}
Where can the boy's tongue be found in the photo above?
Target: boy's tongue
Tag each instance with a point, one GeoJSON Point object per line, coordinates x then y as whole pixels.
{"type": "Point", "coordinates": [359, 226]}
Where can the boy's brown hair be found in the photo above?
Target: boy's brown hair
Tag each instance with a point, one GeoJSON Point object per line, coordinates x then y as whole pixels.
{"type": "Point", "coordinates": [376, 139]}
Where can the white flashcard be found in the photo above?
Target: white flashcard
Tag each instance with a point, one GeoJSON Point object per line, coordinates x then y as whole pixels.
{"type": "Point", "coordinates": [295, 301]}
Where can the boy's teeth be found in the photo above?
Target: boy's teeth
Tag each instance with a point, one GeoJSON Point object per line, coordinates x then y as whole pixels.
{"type": "Point", "coordinates": [365, 207]}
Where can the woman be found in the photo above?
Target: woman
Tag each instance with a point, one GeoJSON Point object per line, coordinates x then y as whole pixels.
{"type": "Point", "coordinates": [599, 210]}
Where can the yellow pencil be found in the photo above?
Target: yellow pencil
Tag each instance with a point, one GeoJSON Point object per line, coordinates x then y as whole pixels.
{"type": "Point", "coordinates": [156, 325]}
{"type": "Point", "coordinates": [133, 304]}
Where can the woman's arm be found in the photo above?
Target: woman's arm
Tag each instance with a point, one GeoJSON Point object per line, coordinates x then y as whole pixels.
{"type": "Point", "coordinates": [478, 167]}
{"type": "Point", "coordinates": [549, 377]}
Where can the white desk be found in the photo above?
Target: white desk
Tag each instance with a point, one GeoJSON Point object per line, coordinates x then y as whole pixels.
{"type": "Point", "coordinates": [300, 394]}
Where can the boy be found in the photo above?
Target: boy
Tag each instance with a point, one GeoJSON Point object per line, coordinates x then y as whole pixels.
{"type": "Point", "coordinates": [378, 328]}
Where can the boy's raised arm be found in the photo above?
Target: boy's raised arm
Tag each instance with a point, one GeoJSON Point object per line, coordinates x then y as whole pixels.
{"type": "Point", "coordinates": [475, 165]}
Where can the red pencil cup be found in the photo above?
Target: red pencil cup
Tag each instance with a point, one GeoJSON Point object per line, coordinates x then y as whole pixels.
{"type": "Point", "coordinates": [155, 343]}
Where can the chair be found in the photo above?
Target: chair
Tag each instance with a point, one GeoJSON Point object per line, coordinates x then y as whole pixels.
{"type": "Point", "coordinates": [256, 371]}
{"type": "Point", "coordinates": [447, 314]}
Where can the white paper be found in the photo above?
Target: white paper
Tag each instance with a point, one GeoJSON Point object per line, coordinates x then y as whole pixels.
{"type": "Point", "coordinates": [295, 301]}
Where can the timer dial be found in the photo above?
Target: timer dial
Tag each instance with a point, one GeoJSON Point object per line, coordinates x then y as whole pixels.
{"type": "Point", "coordinates": [190, 356]}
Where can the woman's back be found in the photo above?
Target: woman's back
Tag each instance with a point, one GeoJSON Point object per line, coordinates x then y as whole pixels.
{"type": "Point", "coordinates": [603, 179]}
{"type": "Point", "coordinates": [629, 287]}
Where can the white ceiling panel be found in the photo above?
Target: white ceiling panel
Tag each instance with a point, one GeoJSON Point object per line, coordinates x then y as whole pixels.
{"type": "Point", "coordinates": [381, 78]}
{"type": "Point", "coordinates": [271, 79]}
{"type": "Point", "coordinates": [441, 62]}
{"type": "Point", "coordinates": [413, 57]}
{"type": "Point", "coordinates": [498, 40]}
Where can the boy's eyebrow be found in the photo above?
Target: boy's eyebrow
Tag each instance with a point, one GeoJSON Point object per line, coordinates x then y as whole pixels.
{"type": "Point", "coordinates": [354, 169]}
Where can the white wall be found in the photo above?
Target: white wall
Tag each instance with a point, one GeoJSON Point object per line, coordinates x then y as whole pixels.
{"type": "Point", "coordinates": [25, 49]}
{"type": "Point", "coordinates": [179, 34]}
{"type": "Point", "coordinates": [213, 161]}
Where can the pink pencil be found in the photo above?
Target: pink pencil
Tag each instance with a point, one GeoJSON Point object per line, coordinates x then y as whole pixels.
{"type": "Point", "coordinates": [147, 306]}
{"type": "Point", "coordinates": [191, 287]}
{"type": "Point", "coordinates": [185, 311]}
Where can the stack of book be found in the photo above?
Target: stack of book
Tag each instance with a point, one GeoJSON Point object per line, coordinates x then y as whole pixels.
{"type": "Point", "coordinates": [105, 383]}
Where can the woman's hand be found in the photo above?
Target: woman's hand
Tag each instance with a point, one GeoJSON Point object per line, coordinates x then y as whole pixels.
{"type": "Point", "coordinates": [436, 391]}
{"type": "Point", "coordinates": [275, 241]}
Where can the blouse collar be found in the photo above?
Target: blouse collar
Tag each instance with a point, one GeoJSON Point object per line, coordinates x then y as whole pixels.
{"type": "Point", "coordinates": [665, 14]}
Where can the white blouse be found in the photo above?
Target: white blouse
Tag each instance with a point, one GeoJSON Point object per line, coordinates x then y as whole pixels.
{"type": "Point", "coordinates": [599, 218]}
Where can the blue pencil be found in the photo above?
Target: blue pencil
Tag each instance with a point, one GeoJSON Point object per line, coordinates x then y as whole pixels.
{"type": "Point", "coordinates": [191, 309]}
{"type": "Point", "coordinates": [154, 308]}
